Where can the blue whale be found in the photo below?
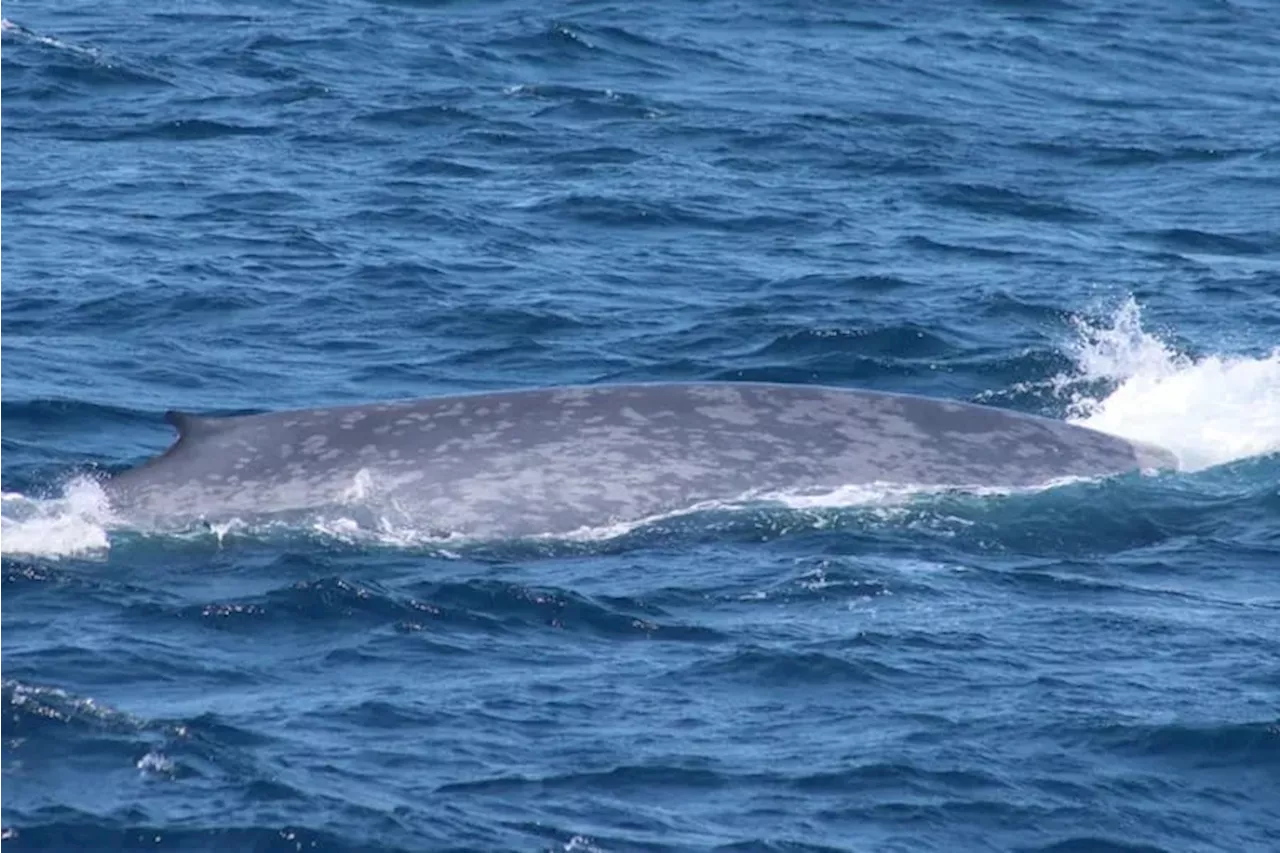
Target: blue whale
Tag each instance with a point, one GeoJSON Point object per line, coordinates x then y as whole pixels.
{"type": "Point", "coordinates": [552, 461]}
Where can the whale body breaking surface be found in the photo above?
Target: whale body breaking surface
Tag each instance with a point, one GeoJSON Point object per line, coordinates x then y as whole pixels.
{"type": "Point", "coordinates": [548, 461]}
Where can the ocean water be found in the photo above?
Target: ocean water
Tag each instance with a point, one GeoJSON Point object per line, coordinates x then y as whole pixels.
{"type": "Point", "coordinates": [1061, 207]}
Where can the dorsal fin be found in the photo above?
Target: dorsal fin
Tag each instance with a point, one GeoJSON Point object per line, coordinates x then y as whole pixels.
{"type": "Point", "coordinates": [192, 426]}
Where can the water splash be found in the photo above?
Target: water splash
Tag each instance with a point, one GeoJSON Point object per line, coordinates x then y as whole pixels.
{"type": "Point", "coordinates": [1207, 411]}
{"type": "Point", "coordinates": [72, 525]}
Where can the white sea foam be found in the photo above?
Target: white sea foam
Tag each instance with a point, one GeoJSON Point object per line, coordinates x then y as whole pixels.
{"type": "Point", "coordinates": [1207, 411]}
{"type": "Point", "coordinates": [18, 29]}
{"type": "Point", "coordinates": [74, 524]}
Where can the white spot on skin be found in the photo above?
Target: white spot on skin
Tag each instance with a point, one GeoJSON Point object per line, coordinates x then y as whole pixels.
{"type": "Point", "coordinates": [739, 415]}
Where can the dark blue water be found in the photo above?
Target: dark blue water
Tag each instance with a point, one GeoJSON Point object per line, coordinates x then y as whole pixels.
{"type": "Point", "coordinates": [1067, 208]}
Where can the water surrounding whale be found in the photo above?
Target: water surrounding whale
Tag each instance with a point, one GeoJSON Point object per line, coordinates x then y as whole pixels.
{"type": "Point", "coordinates": [550, 461]}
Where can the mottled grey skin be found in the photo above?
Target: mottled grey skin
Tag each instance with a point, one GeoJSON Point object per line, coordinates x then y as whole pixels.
{"type": "Point", "coordinates": [553, 461]}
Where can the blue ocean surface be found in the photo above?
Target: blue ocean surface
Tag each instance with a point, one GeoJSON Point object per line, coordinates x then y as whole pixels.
{"type": "Point", "coordinates": [1062, 207]}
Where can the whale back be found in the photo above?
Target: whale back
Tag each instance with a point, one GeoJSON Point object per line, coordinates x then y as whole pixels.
{"type": "Point", "coordinates": [554, 460]}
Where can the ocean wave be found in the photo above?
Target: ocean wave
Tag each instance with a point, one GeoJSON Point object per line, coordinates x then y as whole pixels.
{"type": "Point", "coordinates": [791, 668]}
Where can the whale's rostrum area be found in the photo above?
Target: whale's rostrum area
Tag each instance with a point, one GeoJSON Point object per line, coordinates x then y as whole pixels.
{"type": "Point", "coordinates": [556, 460]}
